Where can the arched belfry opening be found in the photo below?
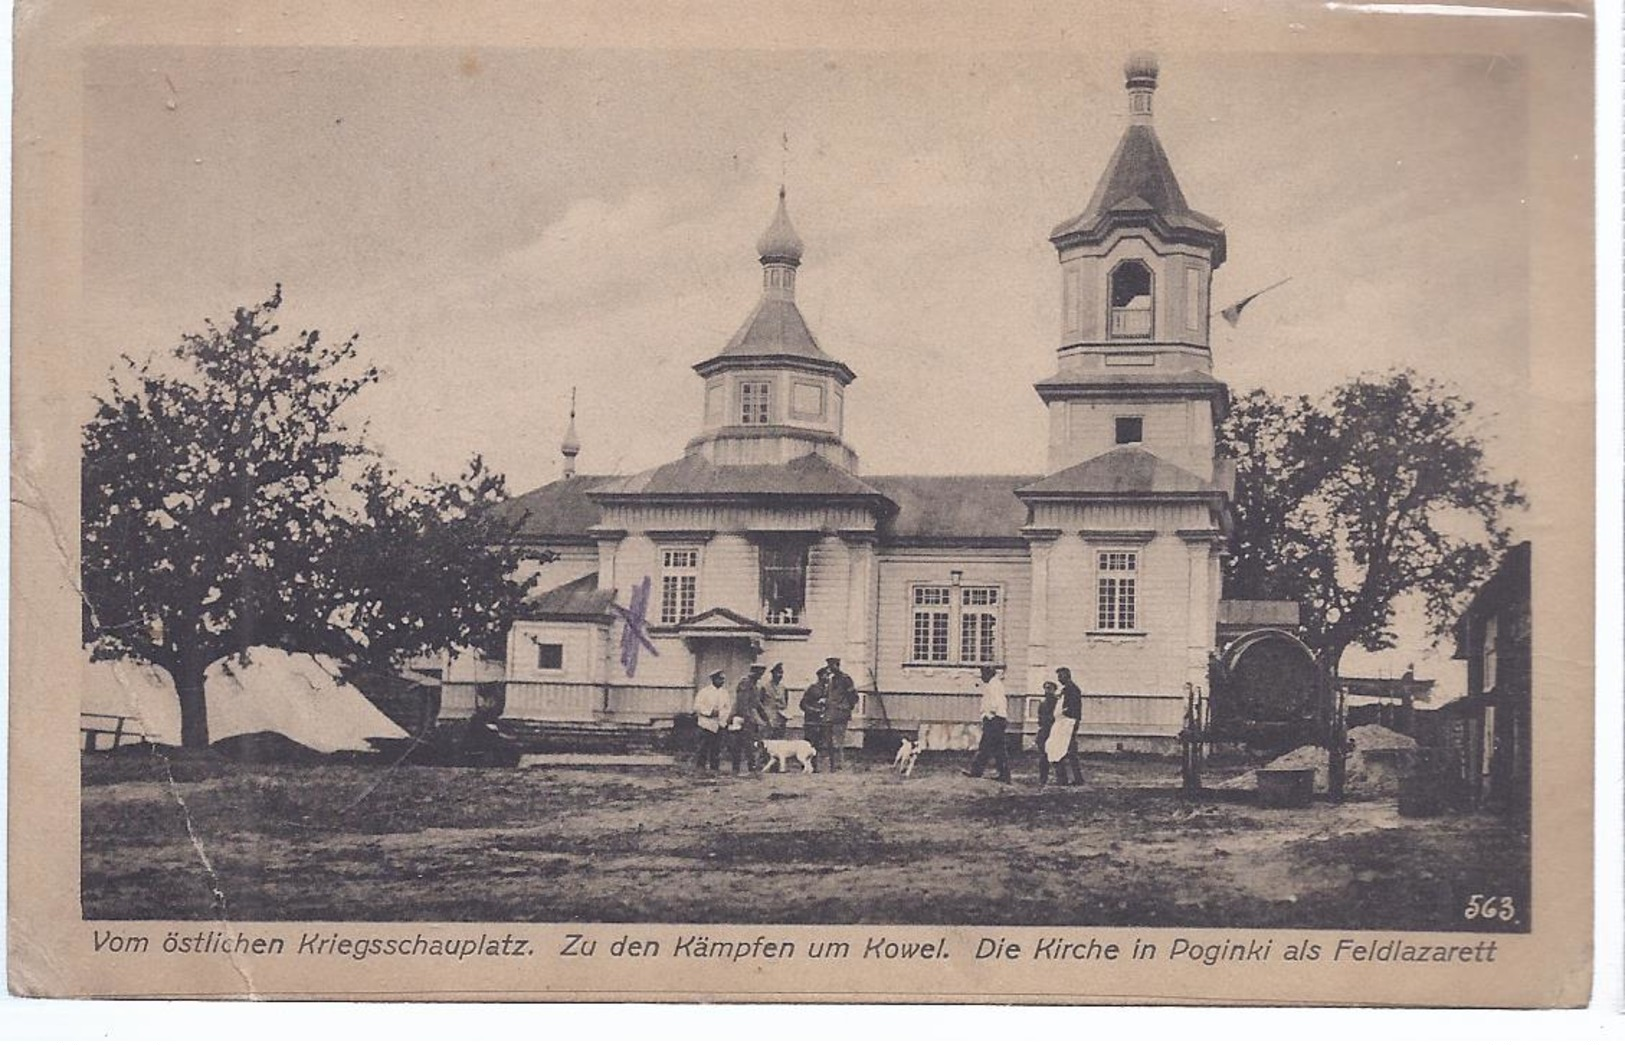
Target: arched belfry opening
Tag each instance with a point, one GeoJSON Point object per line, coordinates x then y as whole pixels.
{"type": "Point", "coordinates": [1131, 297]}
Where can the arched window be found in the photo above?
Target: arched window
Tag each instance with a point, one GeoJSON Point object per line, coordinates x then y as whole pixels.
{"type": "Point", "coordinates": [1130, 300]}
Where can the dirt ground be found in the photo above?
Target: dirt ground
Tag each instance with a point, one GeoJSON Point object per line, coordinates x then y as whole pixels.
{"type": "Point", "coordinates": [664, 844]}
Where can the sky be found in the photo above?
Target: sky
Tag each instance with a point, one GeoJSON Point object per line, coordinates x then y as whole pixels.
{"type": "Point", "coordinates": [503, 225]}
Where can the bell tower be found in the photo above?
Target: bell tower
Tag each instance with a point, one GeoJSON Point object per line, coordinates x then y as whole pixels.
{"type": "Point", "coordinates": [1135, 368]}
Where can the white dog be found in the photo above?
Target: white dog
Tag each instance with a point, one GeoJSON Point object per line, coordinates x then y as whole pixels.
{"type": "Point", "coordinates": [780, 750]}
{"type": "Point", "coordinates": [907, 754]}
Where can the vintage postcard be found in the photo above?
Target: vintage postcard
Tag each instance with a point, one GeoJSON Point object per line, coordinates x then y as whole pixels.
{"type": "Point", "coordinates": [823, 502]}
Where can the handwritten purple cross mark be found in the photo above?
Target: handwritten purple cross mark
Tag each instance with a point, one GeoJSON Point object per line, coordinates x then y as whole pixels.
{"type": "Point", "coordinates": [636, 633]}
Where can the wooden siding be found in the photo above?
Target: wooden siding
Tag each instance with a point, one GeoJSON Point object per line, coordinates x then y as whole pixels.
{"type": "Point", "coordinates": [584, 649]}
{"type": "Point", "coordinates": [901, 569]}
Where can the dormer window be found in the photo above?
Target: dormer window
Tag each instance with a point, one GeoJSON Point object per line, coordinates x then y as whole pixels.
{"type": "Point", "coordinates": [1130, 300]}
{"type": "Point", "coordinates": [755, 401]}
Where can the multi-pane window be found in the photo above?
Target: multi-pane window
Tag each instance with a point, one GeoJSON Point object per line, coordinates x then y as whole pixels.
{"type": "Point", "coordinates": [979, 625]}
{"type": "Point", "coordinates": [679, 583]}
{"type": "Point", "coordinates": [955, 624]}
{"type": "Point", "coordinates": [755, 399]}
{"type": "Point", "coordinates": [933, 607]}
{"type": "Point", "coordinates": [1115, 584]}
{"type": "Point", "coordinates": [784, 580]}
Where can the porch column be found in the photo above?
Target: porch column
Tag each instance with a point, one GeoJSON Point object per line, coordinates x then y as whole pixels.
{"type": "Point", "coordinates": [1202, 548]}
{"type": "Point", "coordinates": [1040, 542]}
{"type": "Point", "coordinates": [862, 593]}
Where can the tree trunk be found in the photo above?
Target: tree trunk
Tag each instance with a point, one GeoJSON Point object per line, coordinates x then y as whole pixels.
{"type": "Point", "coordinates": [194, 706]}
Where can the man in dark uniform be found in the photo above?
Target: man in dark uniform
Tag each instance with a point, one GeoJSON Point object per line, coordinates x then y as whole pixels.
{"type": "Point", "coordinates": [814, 706]}
{"type": "Point", "coordinates": [1072, 708]}
{"type": "Point", "coordinates": [746, 724]}
{"type": "Point", "coordinates": [843, 698]}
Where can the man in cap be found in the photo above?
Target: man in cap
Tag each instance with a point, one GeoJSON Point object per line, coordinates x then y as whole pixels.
{"type": "Point", "coordinates": [843, 698]}
{"type": "Point", "coordinates": [776, 699]}
{"type": "Point", "coordinates": [814, 706]}
{"type": "Point", "coordinates": [745, 723]}
{"type": "Point", "coordinates": [710, 704]}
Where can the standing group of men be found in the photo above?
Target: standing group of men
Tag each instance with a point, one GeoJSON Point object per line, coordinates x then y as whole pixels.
{"type": "Point", "coordinates": [755, 709]}
{"type": "Point", "coordinates": [1062, 727]}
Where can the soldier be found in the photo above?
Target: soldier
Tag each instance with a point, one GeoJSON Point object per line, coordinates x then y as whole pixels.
{"type": "Point", "coordinates": [1072, 708]}
{"type": "Point", "coordinates": [814, 706]}
{"type": "Point", "coordinates": [843, 698]}
{"type": "Point", "coordinates": [776, 698]}
{"type": "Point", "coordinates": [746, 723]}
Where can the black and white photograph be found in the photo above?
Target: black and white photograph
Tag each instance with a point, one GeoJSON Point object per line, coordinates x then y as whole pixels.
{"type": "Point", "coordinates": [1079, 488]}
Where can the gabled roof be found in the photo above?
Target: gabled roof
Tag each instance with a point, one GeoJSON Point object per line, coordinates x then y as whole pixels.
{"type": "Point", "coordinates": [581, 597]}
{"type": "Point", "coordinates": [1126, 470]}
{"type": "Point", "coordinates": [776, 332]}
{"type": "Point", "coordinates": [693, 476]}
{"type": "Point", "coordinates": [1139, 188]}
{"type": "Point", "coordinates": [953, 507]}
{"type": "Point", "coordinates": [559, 509]}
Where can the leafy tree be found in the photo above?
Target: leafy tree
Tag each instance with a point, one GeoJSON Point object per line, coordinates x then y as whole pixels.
{"type": "Point", "coordinates": [1380, 490]}
{"type": "Point", "coordinates": [226, 505]}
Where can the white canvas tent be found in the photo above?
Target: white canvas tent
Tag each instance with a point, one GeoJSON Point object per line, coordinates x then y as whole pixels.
{"type": "Point", "coordinates": [297, 695]}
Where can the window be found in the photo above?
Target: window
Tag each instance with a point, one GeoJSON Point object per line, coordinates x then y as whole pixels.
{"type": "Point", "coordinates": [784, 580]}
{"type": "Point", "coordinates": [549, 656]}
{"type": "Point", "coordinates": [1115, 591]}
{"type": "Point", "coordinates": [932, 608]}
{"type": "Point", "coordinates": [679, 583]}
{"type": "Point", "coordinates": [1193, 298]}
{"type": "Point", "coordinates": [1491, 639]}
{"type": "Point", "coordinates": [754, 400]}
{"type": "Point", "coordinates": [979, 625]}
{"type": "Point", "coordinates": [955, 625]}
{"type": "Point", "coordinates": [1130, 430]}
{"type": "Point", "coordinates": [1130, 300]}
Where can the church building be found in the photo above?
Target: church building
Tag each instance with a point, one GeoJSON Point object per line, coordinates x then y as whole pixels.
{"type": "Point", "coordinates": [766, 542]}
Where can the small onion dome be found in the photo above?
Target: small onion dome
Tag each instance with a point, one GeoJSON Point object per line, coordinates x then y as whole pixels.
{"type": "Point", "coordinates": [572, 443]}
{"type": "Point", "coordinates": [780, 242]}
{"type": "Point", "coordinates": [1141, 70]}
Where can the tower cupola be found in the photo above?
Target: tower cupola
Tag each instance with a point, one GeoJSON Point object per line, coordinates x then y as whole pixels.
{"type": "Point", "coordinates": [772, 393]}
{"type": "Point", "coordinates": [1135, 366]}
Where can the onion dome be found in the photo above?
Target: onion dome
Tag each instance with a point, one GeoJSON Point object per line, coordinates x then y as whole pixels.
{"type": "Point", "coordinates": [780, 242]}
{"type": "Point", "coordinates": [1140, 71]}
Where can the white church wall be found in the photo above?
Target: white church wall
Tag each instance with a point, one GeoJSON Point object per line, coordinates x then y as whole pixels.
{"type": "Point", "coordinates": [900, 569]}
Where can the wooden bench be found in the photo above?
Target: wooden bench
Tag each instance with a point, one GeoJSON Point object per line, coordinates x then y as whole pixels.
{"type": "Point", "coordinates": [90, 725]}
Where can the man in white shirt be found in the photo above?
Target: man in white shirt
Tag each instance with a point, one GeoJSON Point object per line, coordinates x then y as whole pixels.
{"type": "Point", "coordinates": [995, 709]}
{"type": "Point", "coordinates": [710, 704]}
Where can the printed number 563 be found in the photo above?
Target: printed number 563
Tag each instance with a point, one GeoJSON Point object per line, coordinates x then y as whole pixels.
{"type": "Point", "coordinates": [1490, 908]}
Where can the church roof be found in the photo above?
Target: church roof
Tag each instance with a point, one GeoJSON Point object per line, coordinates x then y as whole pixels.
{"type": "Point", "coordinates": [953, 507]}
{"type": "Point", "coordinates": [581, 597]}
{"type": "Point", "coordinates": [1139, 188]}
{"type": "Point", "coordinates": [1126, 470]}
{"type": "Point", "coordinates": [560, 509]}
{"type": "Point", "coordinates": [693, 476]}
{"type": "Point", "coordinates": [930, 508]}
{"type": "Point", "coordinates": [775, 328]}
